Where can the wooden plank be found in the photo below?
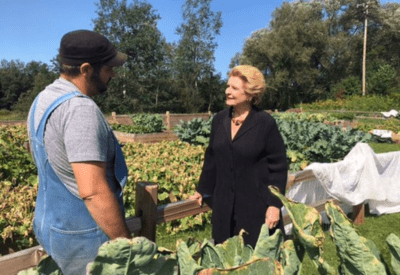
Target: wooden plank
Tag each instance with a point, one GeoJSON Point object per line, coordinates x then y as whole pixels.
{"type": "Point", "coordinates": [179, 210]}
{"type": "Point", "coordinates": [15, 262]}
{"type": "Point", "coordinates": [305, 175]}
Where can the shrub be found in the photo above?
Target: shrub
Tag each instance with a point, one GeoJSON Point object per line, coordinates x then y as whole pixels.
{"type": "Point", "coordinates": [347, 87]}
{"type": "Point", "coordinates": [344, 116]}
{"type": "Point", "coordinates": [196, 131]}
{"type": "Point", "coordinates": [142, 123]}
{"type": "Point", "coordinates": [368, 103]}
{"type": "Point", "coordinates": [382, 81]}
{"type": "Point", "coordinates": [152, 122]}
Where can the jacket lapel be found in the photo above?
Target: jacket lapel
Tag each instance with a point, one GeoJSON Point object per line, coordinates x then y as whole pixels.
{"type": "Point", "coordinates": [249, 123]}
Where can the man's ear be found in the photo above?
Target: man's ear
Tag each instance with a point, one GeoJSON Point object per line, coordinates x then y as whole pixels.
{"type": "Point", "coordinates": [86, 69]}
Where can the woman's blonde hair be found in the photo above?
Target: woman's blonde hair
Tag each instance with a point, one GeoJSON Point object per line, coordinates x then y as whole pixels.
{"type": "Point", "coordinates": [254, 81]}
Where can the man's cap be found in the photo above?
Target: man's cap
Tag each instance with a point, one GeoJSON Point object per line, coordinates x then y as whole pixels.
{"type": "Point", "coordinates": [81, 46]}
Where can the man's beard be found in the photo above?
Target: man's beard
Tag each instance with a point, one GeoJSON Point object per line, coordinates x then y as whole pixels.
{"type": "Point", "coordinates": [98, 85]}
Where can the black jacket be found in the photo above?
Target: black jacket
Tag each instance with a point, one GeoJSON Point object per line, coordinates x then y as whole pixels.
{"type": "Point", "coordinates": [236, 173]}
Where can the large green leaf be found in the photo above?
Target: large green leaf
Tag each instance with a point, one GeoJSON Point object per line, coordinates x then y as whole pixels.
{"type": "Point", "coordinates": [194, 247]}
{"type": "Point", "coordinates": [234, 252]}
{"type": "Point", "coordinates": [210, 257]}
{"type": "Point", "coordinates": [291, 257]}
{"type": "Point", "coordinates": [394, 246]}
{"type": "Point", "coordinates": [187, 265]}
{"type": "Point", "coordinates": [254, 267]}
{"type": "Point", "coordinates": [137, 256]}
{"type": "Point", "coordinates": [268, 246]}
{"type": "Point", "coordinates": [46, 266]}
{"type": "Point", "coordinates": [357, 254]}
{"type": "Point", "coordinates": [307, 229]}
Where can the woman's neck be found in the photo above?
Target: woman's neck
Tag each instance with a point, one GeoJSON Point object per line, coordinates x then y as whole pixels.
{"type": "Point", "coordinates": [241, 110]}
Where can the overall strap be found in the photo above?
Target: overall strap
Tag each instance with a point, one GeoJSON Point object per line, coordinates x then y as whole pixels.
{"type": "Point", "coordinates": [39, 133]}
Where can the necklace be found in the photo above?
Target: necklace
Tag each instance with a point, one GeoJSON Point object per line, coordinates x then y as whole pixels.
{"type": "Point", "coordinates": [236, 120]}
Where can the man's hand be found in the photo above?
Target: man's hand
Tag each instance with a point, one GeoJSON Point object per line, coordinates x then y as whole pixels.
{"type": "Point", "coordinates": [197, 197]}
{"type": "Point", "coordinates": [272, 217]}
{"type": "Point", "coordinates": [99, 199]}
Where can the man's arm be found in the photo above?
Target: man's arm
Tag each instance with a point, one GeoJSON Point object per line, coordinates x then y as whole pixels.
{"type": "Point", "coordinates": [99, 199]}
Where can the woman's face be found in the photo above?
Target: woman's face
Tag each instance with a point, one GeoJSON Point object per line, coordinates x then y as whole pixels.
{"type": "Point", "coordinates": [235, 92]}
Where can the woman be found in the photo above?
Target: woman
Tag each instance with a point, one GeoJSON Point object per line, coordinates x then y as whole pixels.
{"type": "Point", "coordinates": [246, 154]}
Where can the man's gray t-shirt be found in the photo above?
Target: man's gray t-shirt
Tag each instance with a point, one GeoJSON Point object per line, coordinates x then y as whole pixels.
{"type": "Point", "coordinates": [76, 131]}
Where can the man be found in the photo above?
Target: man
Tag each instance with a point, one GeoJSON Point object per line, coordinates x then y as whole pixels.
{"type": "Point", "coordinates": [80, 164]}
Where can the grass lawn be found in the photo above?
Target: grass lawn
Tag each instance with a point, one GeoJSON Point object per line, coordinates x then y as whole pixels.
{"type": "Point", "coordinates": [169, 241]}
{"type": "Point", "coordinates": [6, 115]}
{"type": "Point", "coordinates": [384, 147]}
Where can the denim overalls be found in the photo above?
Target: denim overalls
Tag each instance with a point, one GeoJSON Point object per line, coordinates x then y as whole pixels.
{"type": "Point", "coordinates": [62, 223]}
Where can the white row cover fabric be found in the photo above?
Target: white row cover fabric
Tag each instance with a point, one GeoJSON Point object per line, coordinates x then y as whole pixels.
{"type": "Point", "coordinates": [393, 113]}
{"type": "Point", "coordinates": [361, 177]}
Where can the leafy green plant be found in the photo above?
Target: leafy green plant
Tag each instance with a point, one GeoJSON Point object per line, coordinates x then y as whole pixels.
{"type": "Point", "coordinates": [16, 164]}
{"type": "Point", "coordinates": [382, 80]}
{"type": "Point", "coordinates": [175, 167]}
{"type": "Point", "coordinates": [153, 122]}
{"type": "Point", "coordinates": [368, 103]}
{"type": "Point", "coordinates": [307, 230]}
{"type": "Point", "coordinates": [17, 204]}
{"type": "Point", "coordinates": [196, 131]}
{"type": "Point", "coordinates": [348, 86]}
{"type": "Point", "coordinates": [317, 142]}
{"type": "Point", "coordinates": [18, 189]}
{"type": "Point", "coordinates": [132, 256]}
{"type": "Point", "coordinates": [305, 116]}
{"type": "Point", "coordinates": [344, 116]}
{"type": "Point", "coordinates": [366, 125]}
{"type": "Point", "coordinates": [142, 124]}
{"type": "Point", "coordinates": [393, 242]}
{"type": "Point", "coordinates": [46, 266]}
{"type": "Point", "coordinates": [357, 254]}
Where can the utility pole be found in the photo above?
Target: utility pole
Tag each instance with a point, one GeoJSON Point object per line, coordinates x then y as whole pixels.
{"type": "Point", "coordinates": [365, 5]}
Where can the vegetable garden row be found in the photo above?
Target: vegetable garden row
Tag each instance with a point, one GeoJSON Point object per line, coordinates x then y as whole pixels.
{"type": "Point", "coordinates": [175, 166]}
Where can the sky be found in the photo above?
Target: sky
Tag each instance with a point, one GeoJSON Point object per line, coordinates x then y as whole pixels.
{"type": "Point", "coordinates": [31, 30]}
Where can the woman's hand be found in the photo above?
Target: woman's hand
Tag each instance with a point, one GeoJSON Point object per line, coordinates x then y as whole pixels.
{"type": "Point", "coordinates": [197, 197]}
{"type": "Point", "coordinates": [272, 217]}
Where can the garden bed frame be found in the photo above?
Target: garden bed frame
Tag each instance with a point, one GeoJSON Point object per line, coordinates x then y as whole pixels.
{"type": "Point", "coordinates": [149, 215]}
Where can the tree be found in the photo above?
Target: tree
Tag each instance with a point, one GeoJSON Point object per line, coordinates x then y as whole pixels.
{"type": "Point", "coordinates": [311, 47]}
{"type": "Point", "coordinates": [290, 52]}
{"type": "Point", "coordinates": [18, 79]}
{"type": "Point", "coordinates": [42, 78]}
{"type": "Point", "coordinates": [13, 82]}
{"type": "Point", "coordinates": [133, 30]}
{"type": "Point", "coordinates": [194, 60]}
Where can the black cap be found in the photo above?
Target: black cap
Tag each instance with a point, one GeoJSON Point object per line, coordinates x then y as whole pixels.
{"type": "Point", "coordinates": [81, 46]}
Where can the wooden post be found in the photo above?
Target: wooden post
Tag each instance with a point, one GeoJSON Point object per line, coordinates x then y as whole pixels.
{"type": "Point", "coordinates": [168, 121]}
{"type": "Point", "coordinates": [146, 207]}
{"type": "Point", "coordinates": [358, 214]}
{"type": "Point", "coordinates": [114, 116]}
